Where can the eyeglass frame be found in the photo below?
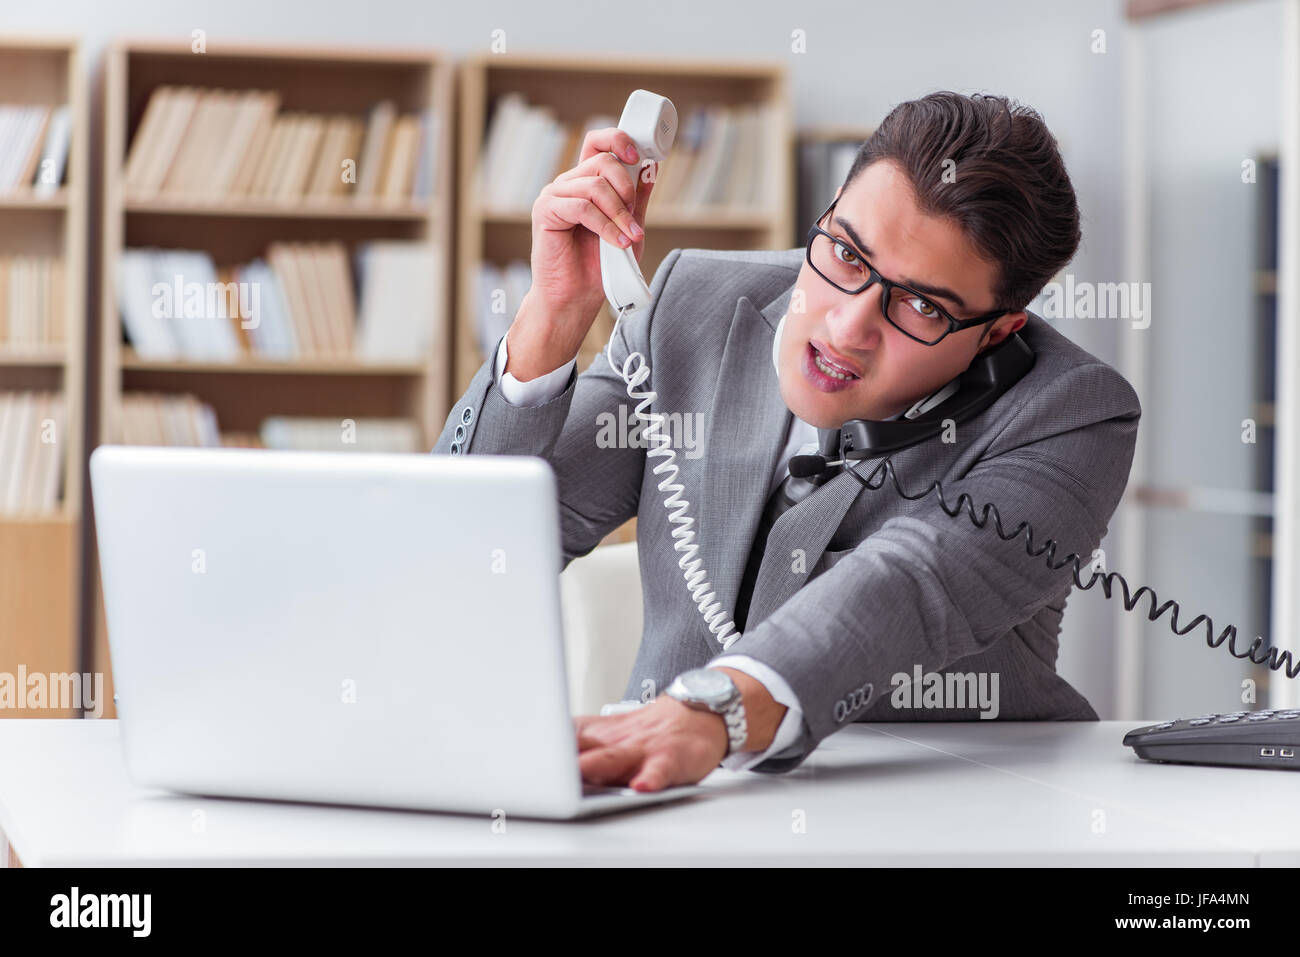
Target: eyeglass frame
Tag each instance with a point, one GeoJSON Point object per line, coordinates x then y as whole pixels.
{"type": "Point", "coordinates": [887, 286]}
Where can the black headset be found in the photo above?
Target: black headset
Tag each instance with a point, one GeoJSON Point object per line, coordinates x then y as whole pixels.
{"type": "Point", "coordinates": [991, 373]}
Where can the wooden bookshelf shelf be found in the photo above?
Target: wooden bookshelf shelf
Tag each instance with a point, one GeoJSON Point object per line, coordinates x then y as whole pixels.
{"type": "Point", "coordinates": [64, 517]}
{"type": "Point", "coordinates": [300, 209]}
{"type": "Point", "coordinates": [56, 202]}
{"type": "Point", "coordinates": [704, 218]}
{"type": "Point", "coordinates": [131, 361]}
{"type": "Point", "coordinates": [40, 551]}
{"type": "Point", "coordinates": [174, 197]}
{"type": "Point", "coordinates": [38, 356]}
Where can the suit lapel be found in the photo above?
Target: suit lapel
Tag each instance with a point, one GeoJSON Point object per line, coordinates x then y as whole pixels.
{"type": "Point", "coordinates": [744, 434]}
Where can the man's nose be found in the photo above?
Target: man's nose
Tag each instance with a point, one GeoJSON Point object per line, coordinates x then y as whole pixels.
{"type": "Point", "coordinates": [858, 324]}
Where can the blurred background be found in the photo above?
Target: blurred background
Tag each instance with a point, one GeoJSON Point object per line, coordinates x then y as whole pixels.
{"type": "Point", "coordinates": [203, 141]}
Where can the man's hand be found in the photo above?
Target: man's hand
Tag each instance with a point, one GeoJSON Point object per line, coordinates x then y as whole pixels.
{"type": "Point", "coordinates": [660, 745]}
{"type": "Point", "coordinates": [665, 743]}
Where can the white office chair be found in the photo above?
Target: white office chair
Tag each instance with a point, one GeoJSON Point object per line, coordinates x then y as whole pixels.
{"type": "Point", "coordinates": [600, 597]}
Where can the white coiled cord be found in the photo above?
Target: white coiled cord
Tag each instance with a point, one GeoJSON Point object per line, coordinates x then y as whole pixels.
{"type": "Point", "coordinates": [634, 372]}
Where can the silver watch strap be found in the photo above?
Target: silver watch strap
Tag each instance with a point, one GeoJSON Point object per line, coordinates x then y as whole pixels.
{"type": "Point", "coordinates": [737, 726]}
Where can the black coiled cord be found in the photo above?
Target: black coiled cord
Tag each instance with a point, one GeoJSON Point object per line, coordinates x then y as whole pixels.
{"type": "Point", "coordinates": [1275, 659]}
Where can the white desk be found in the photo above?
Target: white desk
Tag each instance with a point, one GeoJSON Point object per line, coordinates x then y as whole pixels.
{"type": "Point", "coordinates": [975, 793]}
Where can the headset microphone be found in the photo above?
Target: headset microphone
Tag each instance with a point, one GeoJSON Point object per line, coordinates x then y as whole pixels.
{"type": "Point", "coordinates": [806, 466]}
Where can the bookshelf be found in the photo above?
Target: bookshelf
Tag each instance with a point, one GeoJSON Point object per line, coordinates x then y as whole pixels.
{"type": "Point", "coordinates": [40, 547]}
{"type": "Point", "coordinates": [190, 210]}
{"type": "Point", "coordinates": [573, 90]}
{"type": "Point", "coordinates": [825, 155]}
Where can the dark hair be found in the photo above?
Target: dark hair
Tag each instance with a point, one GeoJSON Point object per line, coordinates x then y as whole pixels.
{"type": "Point", "coordinates": [1011, 196]}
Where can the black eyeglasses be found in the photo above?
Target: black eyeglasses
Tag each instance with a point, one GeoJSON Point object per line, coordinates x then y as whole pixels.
{"type": "Point", "coordinates": [912, 313]}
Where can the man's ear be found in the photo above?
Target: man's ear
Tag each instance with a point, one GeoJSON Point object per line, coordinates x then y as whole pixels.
{"type": "Point", "coordinates": [999, 329]}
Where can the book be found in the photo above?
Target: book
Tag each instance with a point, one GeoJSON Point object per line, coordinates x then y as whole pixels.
{"type": "Point", "coordinates": [32, 451]}
{"type": "Point", "coordinates": [146, 142]}
{"type": "Point", "coordinates": [400, 169]}
{"type": "Point", "coordinates": [152, 418]}
{"type": "Point", "coordinates": [399, 282]}
{"type": "Point", "coordinates": [27, 165]}
{"type": "Point", "coordinates": [263, 109]}
{"type": "Point", "coordinates": [182, 106]}
{"type": "Point", "coordinates": [22, 131]}
{"type": "Point", "coordinates": [32, 302]}
{"type": "Point", "coordinates": [374, 150]}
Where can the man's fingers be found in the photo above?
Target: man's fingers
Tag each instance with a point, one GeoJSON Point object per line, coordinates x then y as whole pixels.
{"type": "Point", "coordinates": [610, 139]}
{"type": "Point", "coordinates": [605, 730]}
{"type": "Point", "coordinates": [582, 731]}
{"type": "Point", "coordinates": [597, 731]}
{"type": "Point", "coordinates": [609, 765]}
{"type": "Point", "coordinates": [571, 211]}
{"type": "Point", "coordinates": [589, 738]}
{"type": "Point", "coordinates": [606, 167]}
{"type": "Point", "coordinates": [657, 772]}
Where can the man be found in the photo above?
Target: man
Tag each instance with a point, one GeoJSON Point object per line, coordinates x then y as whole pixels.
{"type": "Point", "coordinates": [955, 214]}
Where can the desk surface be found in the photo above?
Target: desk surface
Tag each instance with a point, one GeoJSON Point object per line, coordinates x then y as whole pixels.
{"type": "Point", "coordinates": [972, 793]}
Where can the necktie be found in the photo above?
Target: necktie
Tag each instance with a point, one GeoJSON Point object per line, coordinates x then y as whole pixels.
{"type": "Point", "coordinates": [788, 494]}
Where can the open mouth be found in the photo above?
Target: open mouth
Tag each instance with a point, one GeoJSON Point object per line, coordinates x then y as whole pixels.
{"type": "Point", "coordinates": [824, 374]}
{"type": "Point", "coordinates": [828, 366]}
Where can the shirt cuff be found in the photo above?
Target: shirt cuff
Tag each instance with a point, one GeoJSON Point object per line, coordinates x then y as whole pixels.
{"type": "Point", "coordinates": [534, 392]}
{"type": "Point", "coordinates": [776, 686]}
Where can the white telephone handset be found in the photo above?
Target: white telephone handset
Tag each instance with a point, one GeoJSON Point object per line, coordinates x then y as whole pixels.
{"type": "Point", "coordinates": [651, 121]}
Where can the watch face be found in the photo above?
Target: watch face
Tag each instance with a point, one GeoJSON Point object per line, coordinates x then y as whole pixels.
{"type": "Point", "coordinates": [709, 685]}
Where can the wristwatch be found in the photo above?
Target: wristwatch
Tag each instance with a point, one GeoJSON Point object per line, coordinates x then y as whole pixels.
{"type": "Point", "coordinates": [707, 689]}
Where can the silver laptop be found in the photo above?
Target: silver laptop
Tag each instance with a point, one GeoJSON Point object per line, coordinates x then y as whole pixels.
{"type": "Point", "coordinates": [345, 628]}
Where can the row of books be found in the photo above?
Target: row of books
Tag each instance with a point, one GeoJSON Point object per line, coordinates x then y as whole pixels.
{"type": "Point", "coordinates": [338, 435]}
{"type": "Point", "coordinates": [33, 307]}
{"type": "Point", "coordinates": [31, 451]}
{"type": "Point", "coordinates": [33, 147]}
{"type": "Point", "coordinates": [154, 418]}
{"type": "Point", "coordinates": [299, 301]}
{"type": "Point", "coordinates": [207, 144]}
{"type": "Point", "coordinates": [721, 157]}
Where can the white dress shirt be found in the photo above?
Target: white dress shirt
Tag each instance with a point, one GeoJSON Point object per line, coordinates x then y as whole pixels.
{"type": "Point", "coordinates": [801, 438]}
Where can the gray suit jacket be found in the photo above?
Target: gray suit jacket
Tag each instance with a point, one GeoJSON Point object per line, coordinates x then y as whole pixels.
{"type": "Point", "coordinates": [856, 586]}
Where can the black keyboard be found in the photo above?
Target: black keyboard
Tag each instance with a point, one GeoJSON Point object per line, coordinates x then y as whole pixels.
{"type": "Point", "coordinates": [1244, 739]}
